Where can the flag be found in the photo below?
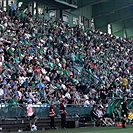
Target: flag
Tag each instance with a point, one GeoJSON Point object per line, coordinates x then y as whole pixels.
{"type": "Point", "coordinates": [130, 116]}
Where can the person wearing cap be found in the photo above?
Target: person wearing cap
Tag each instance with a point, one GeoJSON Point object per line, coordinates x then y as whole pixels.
{"type": "Point", "coordinates": [30, 114]}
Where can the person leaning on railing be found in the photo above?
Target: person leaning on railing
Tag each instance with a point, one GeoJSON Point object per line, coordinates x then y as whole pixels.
{"type": "Point", "coordinates": [13, 102]}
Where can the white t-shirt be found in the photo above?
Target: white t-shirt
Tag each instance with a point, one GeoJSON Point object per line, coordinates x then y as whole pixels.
{"type": "Point", "coordinates": [68, 95]}
{"type": "Point", "coordinates": [1, 92]}
{"type": "Point", "coordinates": [100, 113]}
{"type": "Point", "coordinates": [86, 103]}
{"type": "Point", "coordinates": [29, 110]}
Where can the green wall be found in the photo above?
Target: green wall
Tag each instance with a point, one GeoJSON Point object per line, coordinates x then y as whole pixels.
{"type": "Point", "coordinates": [84, 11]}
{"type": "Point", "coordinates": [101, 23]}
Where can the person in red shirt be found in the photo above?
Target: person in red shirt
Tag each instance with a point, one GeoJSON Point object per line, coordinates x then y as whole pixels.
{"type": "Point", "coordinates": [52, 114]}
{"type": "Point", "coordinates": [63, 115]}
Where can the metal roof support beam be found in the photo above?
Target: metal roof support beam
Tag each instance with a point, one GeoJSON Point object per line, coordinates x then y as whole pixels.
{"type": "Point", "coordinates": [65, 3]}
{"type": "Point", "coordinates": [117, 20]}
{"type": "Point", "coordinates": [121, 19]}
{"type": "Point", "coordinates": [124, 28]}
{"type": "Point", "coordinates": [130, 35]}
{"type": "Point", "coordinates": [113, 11]}
{"type": "Point", "coordinates": [92, 3]}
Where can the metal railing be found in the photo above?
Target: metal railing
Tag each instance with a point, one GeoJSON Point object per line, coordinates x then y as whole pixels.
{"type": "Point", "coordinates": [74, 2]}
{"type": "Point", "coordinates": [41, 110]}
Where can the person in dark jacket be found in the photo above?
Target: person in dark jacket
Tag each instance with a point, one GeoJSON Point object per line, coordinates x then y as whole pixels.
{"type": "Point", "coordinates": [52, 114]}
{"type": "Point", "coordinates": [116, 115]}
{"type": "Point", "coordinates": [124, 112]}
{"type": "Point", "coordinates": [95, 116]}
{"type": "Point", "coordinates": [63, 115]}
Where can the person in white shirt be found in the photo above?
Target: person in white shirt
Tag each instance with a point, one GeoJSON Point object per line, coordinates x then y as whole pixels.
{"type": "Point", "coordinates": [31, 115]}
{"type": "Point", "coordinates": [106, 120]}
{"type": "Point", "coordinates": [87, 103]}
{"type": "Point", "coordinates": [100, 112]}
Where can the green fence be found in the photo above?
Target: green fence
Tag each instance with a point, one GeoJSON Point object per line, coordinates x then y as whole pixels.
{"type": "Point", "coordinates": [41, 111]}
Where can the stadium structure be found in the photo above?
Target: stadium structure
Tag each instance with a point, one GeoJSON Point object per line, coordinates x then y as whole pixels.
{"type": "Point", "coordinates": [110, 17]}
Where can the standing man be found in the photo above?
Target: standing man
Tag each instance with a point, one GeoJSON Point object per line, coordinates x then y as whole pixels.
{"type": "Point", "coordinates": [31, 115]}
{"type": "Point", "coordinates": [52, 115]}
{"type": "Point", "coordinates": [13, 8]}
{"type": "Point", "coordinates": [124, 112]}
{"type": "Point", "coordinates": [63, 115]}
{"type": "Point", "coordinates": [22, 16]}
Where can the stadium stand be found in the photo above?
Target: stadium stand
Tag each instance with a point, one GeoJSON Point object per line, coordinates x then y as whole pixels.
{"type": "Point", "coordinates": [37, 65]}
{"type": "Point", "coordinates": [50, 61]}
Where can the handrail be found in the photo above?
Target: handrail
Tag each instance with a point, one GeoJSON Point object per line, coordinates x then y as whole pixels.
{"type": "Point", "coordinates": [76, 69]}
{"type": "Point", "coordinates": [92, 76]}
{"type": "Point", "coordinates": [41, 110]}
{"type": "Point", "coordinates": [8, 105]}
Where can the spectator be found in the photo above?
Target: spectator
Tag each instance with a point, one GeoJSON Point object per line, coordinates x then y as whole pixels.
{"type": "Point", "coordinates": [39, 58]}
{"type": "Point", "coordinates": [95, 117]}
{"type": "Point", "coordinates": [87, 103]}
{"type": "Point", "coordinates": [13, 8]}
{"type": "Point", "coordinates": [22, 16]}
{"type": "Point", "coordinates": [116, 115]}
{"type": "Point", "coordinates": [13, 102]}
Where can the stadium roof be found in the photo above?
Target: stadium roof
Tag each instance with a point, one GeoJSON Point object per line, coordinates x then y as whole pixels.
{"type": "Point", "coordinates": [58, 4]}
{"type": "Point", "coordinates": [118, 13]}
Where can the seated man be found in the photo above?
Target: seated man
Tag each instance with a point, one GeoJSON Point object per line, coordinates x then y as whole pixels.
{"type": "Point", "coordinates": [95, 116]}
{"type": "Point", "coordinates": [107, 121]}
{"type": "Point", "coordinates": [107, 117]}
{"type": "Point", "coordinates": [116, 115]}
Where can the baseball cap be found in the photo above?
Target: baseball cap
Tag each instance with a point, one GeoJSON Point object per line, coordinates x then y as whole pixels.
{"type": "Point", "coordinates": [29, 100]}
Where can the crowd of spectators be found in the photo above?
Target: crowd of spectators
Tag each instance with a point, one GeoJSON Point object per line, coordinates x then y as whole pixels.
{"type": "Point", "coordinates": [38, 56]}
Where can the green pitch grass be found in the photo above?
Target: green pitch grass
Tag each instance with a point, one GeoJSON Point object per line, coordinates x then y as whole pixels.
{"type": "Point", "coordinates": [129, 129]}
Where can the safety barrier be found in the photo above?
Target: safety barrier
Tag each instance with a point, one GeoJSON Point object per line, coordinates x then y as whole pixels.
{"type": "Point", "coordinates": [41, 110]}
